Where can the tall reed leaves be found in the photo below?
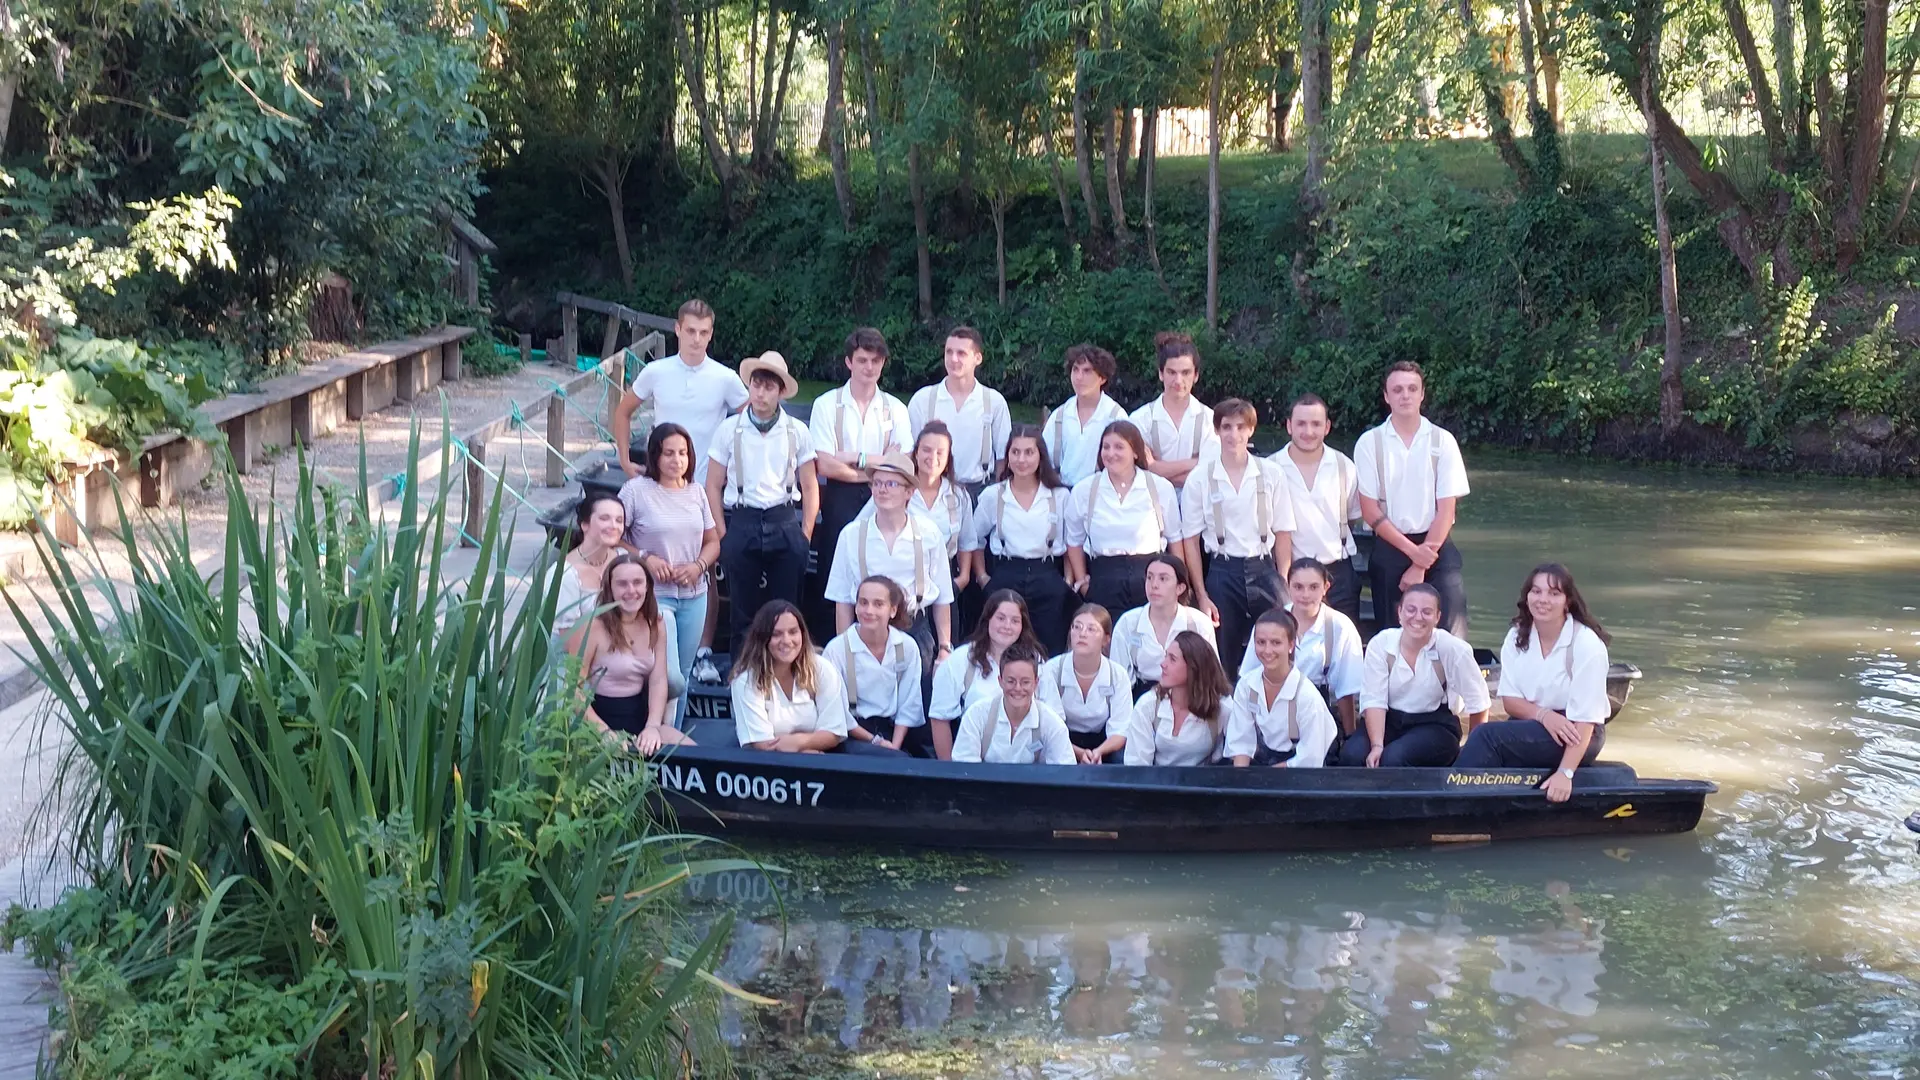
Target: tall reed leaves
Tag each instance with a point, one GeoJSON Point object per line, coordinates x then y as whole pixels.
{"type": "Point", "coordinates": [324, 754]}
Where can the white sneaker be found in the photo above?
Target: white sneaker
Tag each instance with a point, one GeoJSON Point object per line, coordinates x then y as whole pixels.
{"type": "Point", "coordinates": [704, 669]}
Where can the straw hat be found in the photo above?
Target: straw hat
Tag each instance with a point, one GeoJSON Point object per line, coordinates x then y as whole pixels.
{"type": "Point", "coordinates": [774, 364]}
{"type": "Point", "coordinates": [895, 462]}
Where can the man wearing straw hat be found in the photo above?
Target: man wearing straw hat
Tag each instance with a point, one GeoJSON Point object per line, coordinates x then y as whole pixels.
{"type": "Point", "coordinates": [760, 471]}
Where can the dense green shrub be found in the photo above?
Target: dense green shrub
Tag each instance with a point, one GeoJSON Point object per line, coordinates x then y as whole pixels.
{"type": "Point", "coordinates": [327, 760]}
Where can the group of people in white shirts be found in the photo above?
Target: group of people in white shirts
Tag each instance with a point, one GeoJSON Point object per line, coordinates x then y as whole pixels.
{"type": "Point", "coordinates": [1079, 591]}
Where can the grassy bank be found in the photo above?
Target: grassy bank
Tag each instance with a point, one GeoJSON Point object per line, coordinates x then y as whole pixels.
{"type": "Point", "coordinates": [1537, 318]}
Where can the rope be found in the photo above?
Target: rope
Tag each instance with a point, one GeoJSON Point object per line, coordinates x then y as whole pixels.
{"type": "Point", "coordinates": [494, 476]}
{"type": "Point", "coordinates": [561, 393]}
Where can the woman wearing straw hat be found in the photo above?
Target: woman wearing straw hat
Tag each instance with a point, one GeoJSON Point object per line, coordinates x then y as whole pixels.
{"type": "Point", "coordinates": [761, 471]}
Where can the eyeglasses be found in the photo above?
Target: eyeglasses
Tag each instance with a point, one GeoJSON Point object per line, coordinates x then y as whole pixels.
{"type": "Point", "coordinates": [886, 485]}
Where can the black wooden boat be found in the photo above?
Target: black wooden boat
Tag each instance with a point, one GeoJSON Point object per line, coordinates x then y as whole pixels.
{"type": "Point", "coordinates": [728, 792]}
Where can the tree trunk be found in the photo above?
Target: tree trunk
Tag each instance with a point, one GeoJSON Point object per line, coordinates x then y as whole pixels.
{"type": "Point", "coordinates": [753, 73]}
{"type": "Point", "coordinates": [690, 65]}
{"type": "Point", "coordinates": [833, 129]}
{"type": "Point", "coordinates": [1149, 137]}
{"type": "Point", "coordinates": [720, 87]}
{"type": "Point", "coordinates": [1547, 39]}
{"type": "Point", "coordinates": [1082, 143]}
{"type": "Point", "coordinates": [1819, 69]}
{"type": "Point", "coordinates": [868, 65]}
{"type": "Point", "coordinates": [1899, 99]}
{"type": "Point", "coordinates": [1672, 403]}
{"type": "Point", "coordinates": [917, 191]}
{"type": "Point", "coordinates": [1213, 188]}
{"type": "Point", "coordinates": [1735, 12]}
{"type": "Point", "coordinates": [1126, 140]}
{"type": "Point", "coordinates": [780, 89]}
{"type": "Point", "coordinates": [1149, 166]}
{"type": "Point", "coordinates": [997, 207]}
{"type": "Point", "coordinates": [1528, 66]}
{"type": "Point", "coordinates": [1053, 163]}
{"type": "Point", "coordinates": [610, 175]}
{"type": "Point", "coordinates": [1869, 90]}
{"type": "Point", "coordinates": [1789, 84]}
{"type": "Point", "coordinates": [1365, 24]}
{"type": "Point", "coordinates": [762, 105]}
{"type": "Point", "coordinates": [9, 81]}
{"type": "Point", "coordinates": [1313, 106]}
{"type": "Point", "coordinates": [1499, 127]}
{"type": "Point", "coordinates": [1286, 80]}
{"type": "Point", "coordinates": [1906, 201]}
{"type": "Point", "coordinates": [1116, 197]}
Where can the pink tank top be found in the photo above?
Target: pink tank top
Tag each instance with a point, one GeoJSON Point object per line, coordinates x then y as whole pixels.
{"type": "Point", "coordinates": [622, 673]}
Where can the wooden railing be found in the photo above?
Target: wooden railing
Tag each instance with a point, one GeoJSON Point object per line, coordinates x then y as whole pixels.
{"type": "Point", "coordinates": [565, 349]}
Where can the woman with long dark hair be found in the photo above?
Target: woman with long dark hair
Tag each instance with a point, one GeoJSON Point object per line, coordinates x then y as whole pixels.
{"type": "Point", "coordinates": [1184, 720]}
{"type": "Point", "coordinates": [601, 529]}
{"type": "Point", "coordinates": [1117, 519]}
{"type": "Point", "coordinates": [971, 674]}
{"type": "Point", "coordinates": [670, 523]}
{"type": "Point", "coordinates": [1019, 536]}
{"type": "Point", "coordinates": [785, 697]}
{"type": "Point", "coordinates": [1553, 682]}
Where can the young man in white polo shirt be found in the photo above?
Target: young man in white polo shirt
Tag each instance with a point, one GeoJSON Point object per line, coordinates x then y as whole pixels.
{"type": "Point", "coordinates": [1236, 511]}
{"type": "Point", "coordinates": [852, 426]}
{"type": "Point", "coordinates": [690, 388]}
{"type": "Point", "coordinates": [762, 474]}
{"type": "Point", "coordinates": [1410, 477]}
{"type": "Point", "coordinates": [1325, 490]}
{"type": "Point", "coordinates": [1072, 432]}
{"type": "Point", "coordinates": [1177, 427]}
{"type": "Point", "coordinates": [975, 414]}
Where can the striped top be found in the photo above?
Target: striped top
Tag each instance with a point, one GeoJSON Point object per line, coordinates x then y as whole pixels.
{"type": "Point", "coordinates": [670, 523]}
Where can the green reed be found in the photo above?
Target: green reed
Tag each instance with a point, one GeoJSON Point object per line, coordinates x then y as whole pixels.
{"type": "Point", "coordinates": [321, 754]}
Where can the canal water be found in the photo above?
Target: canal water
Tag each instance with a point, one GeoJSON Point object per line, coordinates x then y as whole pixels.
{"type": "Point", "coordinates": [1778, 624]}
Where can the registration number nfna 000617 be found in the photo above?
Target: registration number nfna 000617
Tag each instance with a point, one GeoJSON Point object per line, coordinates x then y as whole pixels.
{"type": "Point", "coordinates": [728, 784]}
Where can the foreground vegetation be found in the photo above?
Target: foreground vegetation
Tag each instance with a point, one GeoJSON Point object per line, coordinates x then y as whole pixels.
{"type": "Point", "coordinates": [340, 819]}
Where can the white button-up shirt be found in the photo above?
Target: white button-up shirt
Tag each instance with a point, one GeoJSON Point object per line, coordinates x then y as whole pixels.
{"type": "Point", "coordinates": [1389, 683]}
{"type": "Point", "coordinates": [1328, 653]}
{"type": "Point", "coordinates": [951, 513]}
{"type": "Point", "coordinates": [1296, 718]}
{"type": "Point", "coordinates": [1571, 680]}
{"type": "Point", "coordinates": [1104, 706]}
{"type": "Point", "coordinates": [1410, 477]}
{"type": "Point", "coordinates": [1322, 511]}
{"type": "Point", "coordinates": [1138, 650]}
{"type": "Point", "coordinates": [1074, 446]}
{"type": "Point", "coordinates": [840, 426]}
{"type": "Point", "coordinates": [696, 398]}
{"type": "Point", "coordinates": [916, 559]}
{"type": "Point", "coordinates": [986, 736]}
{"type": "Point", "coordinates": [981, 426]}
{"type": "Point", "coordinates": [763, 717]}
{"type": "Point", "coordinates": [1191, 436]}
{"type": "Point", "coordinates": [1151, 739]}
{"type": "Point", "coordinates": [1101, 523]}
{"type": "Point", "coordinates": [958, 684]}
{"type": "Point", "coordinates": [766, 473]}
{"type": "Point", "coordinates": [1007, 529]}
{"type": "Point", "coordinates": [884, 687]}
{"type": "Point", "coordinates": [1249, 515]}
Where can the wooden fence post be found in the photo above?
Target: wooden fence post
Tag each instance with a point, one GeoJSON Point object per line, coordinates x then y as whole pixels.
{"type": "Point", "coordinates": [617, 373]}
{"type": "Point", "coordinates": [556, 440]}
{"type": "Point", "coordinates": [611, 338]}
{"type": "Point", "coordinates": [526, 349]}
{"type": "Point", "coordinates": [570, 331]}
{"type": "Point", "coordinates": [476, 515]}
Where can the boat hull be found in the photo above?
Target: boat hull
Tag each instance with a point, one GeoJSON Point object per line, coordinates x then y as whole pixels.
{"type": "Point", "coordinates": [839, 798]}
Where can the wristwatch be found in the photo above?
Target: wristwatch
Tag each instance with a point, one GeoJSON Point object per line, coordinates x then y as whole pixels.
{"type": "Point", "coordinates": [1568, 773]}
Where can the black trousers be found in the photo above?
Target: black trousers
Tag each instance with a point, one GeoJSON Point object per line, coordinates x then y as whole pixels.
{"type": "Point", "coordinates": [765, 557]}
{"type": "Point", "coordinates": [918, 743]}
{"type": "Point", "coordinates": [1389, 563]}
{"type": "Point", "coordinates": [1343, 589]}
{"type": "Point", "coordinates": [840, 503]}
{"type": "Point", "coordinates": [1050, 602]}
{"type": "Point", "coordinates": [628, 714]}
{"type": "Point", "coordinates": [1521, 744]}
{"type": "Point", "coordinates": [1243, 590]}
{"type": "Point", "coordinates": [1428, 739]}
{"type": "Point", "coordinates": [1117, 582]}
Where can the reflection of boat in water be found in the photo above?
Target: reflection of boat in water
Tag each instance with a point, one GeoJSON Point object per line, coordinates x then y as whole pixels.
{"type": "Point", "coordinates": [1149, 809]}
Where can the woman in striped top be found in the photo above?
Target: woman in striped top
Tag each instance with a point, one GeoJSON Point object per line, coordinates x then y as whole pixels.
{"type": "Point", "coordinates": [670, 523]}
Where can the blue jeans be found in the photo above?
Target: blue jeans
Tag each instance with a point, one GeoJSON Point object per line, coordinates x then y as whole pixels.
{"type": "Point", "coordinates": [689, 615]}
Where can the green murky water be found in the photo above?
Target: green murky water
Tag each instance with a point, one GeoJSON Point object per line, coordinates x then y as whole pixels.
{"type": "Point", "coordinates": [1778, 623]}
